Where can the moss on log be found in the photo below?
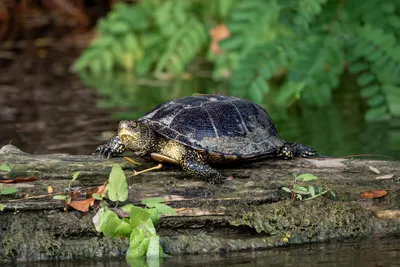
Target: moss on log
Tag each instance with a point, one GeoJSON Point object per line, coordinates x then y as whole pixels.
{"type": "Point", "coordinates": [247, 211]}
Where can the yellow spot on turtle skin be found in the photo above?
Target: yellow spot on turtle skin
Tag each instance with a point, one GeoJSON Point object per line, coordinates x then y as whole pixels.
{"type": "Point", "coordinates": [172, 149]}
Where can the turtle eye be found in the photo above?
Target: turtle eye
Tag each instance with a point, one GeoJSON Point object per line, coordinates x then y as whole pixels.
{"type": "Point", "coordinates": [134, 124]}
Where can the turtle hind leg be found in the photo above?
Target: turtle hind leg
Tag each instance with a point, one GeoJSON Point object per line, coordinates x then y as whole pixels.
{"type": "Point", "coordinates": [304, 151]}
{"type": "Point", "coordinates": [193, 164]}
{"type": "Point", "coordinates": [291, 150]}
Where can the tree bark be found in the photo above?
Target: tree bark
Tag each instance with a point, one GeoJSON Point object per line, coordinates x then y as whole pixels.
{"type": "Point", "coordinates": [249, 210]}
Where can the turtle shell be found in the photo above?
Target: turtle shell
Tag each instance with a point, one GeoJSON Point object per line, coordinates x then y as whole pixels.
{"type": "Point", "coordinates": [220, 124]}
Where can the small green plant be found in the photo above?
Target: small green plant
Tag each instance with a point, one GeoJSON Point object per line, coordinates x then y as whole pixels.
{"type": "Point", "coordinates": [300, 190]}
{"type": "Point", "coordinates": [67, 198]}
{"type": "Point", "coordinates": [138, 224]}
{"type": "Point", "coordinates": [2, 207]}
{"type": "Point", "coordinates": [8, 191]}
{"type": "Point", "coordinates": [5, 167]}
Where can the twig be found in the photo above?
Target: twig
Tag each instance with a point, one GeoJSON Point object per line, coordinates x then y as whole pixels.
{"type": "Point", "coordinates": [317, 195]}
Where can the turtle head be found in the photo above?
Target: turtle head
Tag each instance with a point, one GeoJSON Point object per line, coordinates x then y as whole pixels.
{"type": "Point", "coordinates": [136, 136]}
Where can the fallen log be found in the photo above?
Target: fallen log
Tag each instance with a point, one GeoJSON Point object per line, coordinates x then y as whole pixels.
{"type": "Point", "coordinates": [249, 210]}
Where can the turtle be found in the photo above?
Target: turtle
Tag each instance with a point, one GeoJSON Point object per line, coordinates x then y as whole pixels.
{"type": "Point", "coordinates": [199, 130]}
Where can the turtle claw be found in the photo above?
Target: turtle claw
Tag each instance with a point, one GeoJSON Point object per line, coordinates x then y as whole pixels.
{"type": "Point", "coordinates": [112, 148]}
{"type": "Point", "coordinates": [103, 151]}
{"type": "Point", "coordinates": [305, 151]}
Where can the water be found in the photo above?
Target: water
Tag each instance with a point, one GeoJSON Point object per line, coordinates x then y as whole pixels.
{"type": "Point", "coordinates": [367, 253]}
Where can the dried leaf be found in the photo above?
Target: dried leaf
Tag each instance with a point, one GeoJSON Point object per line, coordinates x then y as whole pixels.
{"type": "Point", "coordinates": [101, 189]}
{"type": "Point", "coordinates": [131, 161]}
{"type": "Point", "coordinates": [375, 170]}
{"type": "Point", "coordinates": [180, 209]}
{"type": "Point", "coordinates": [50, 189]}
{"type": "Point", "coordinates": [97, 190]}
{"type": "Point", "coordinates": [19, 180]}
{"type": "Point", "coordinates": [383, 177]}
{"type": "Point", "coordinates": [374, 194]}
{"type": "Point", "coordinates": [217, 34]}
{"type": "Point", "coordinates": [82, 205]}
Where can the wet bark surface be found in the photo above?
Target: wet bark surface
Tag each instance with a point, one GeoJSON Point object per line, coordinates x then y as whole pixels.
{"type": "Point", "coordinates": [249, 210]}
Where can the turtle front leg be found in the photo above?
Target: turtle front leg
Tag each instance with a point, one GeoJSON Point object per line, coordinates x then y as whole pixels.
{"type": "Point", "coordinates": [193, 164]}
{"type": "Point", "coordinates": [112, 148]}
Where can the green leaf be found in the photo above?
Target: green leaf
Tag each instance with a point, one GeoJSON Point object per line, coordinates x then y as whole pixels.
{"type": "Point", "coordinates": [376, 100]}
{"type": "Point", "coordinates": [85, 59]}
{"type": "Point", "coordinates": [109, 223]}
{"type": "Point", "coordinates": [148, 227]}
{"type": "Point", "coordinates": [102, 41]}
{"type": "Point", "coordinates": [2, 207]}
{"type": "Point", "coordinates": [257, 90]}
{"type": "Point", "coordinates": [95, 66]}
{"type": "Point", "coordinates": [117, 53]}
{"type": "Point", "coordinates": [153, 251]}
{"type": "Point", "coordinates": [97, 196]}
{"type": "Point", "coordinates": [306, 177]}
{"type": "Point", "coordinates": [287, 189]}
{"type": "Point", "coordinates": [138, 215]}
{"type": "Point", "coordinates": [127, 208]}
{"type": "Point", "coordinates": [75, 175]}
{"type": "Point", "coordinates": [370, 90]}
{"type": "Point", "coordinates": [130, 42]}
{"type": "Point", "coordinates": [138, 251]}
{"type": "Point", "coordinates": [8, 191]}
{"type": "Point", "coordinates": [375, 114]}
{"type": "Point", "coordinates": [118, 27]}
{"type": "Point", "coordinates": [358, 67]}
{"type": "Point", "coordinates": [289, 92]}
{"type": "Point", "coordinates": [137, 237]}
{"type": "Point", "coordinates": [117, 185]}
{"type": "Point", "coordinates": [391, 89]}
{"type": "Point", "coordinates": [5, 167]}
{"type": "Point", "coordinates": [150, 202]}
{"type": "Point", "coordinates": [311, 190]}
{"type": "Point", "coordinates": [164, 209]}
{"type": "Point", "coordinates": [298, 189]}
{"type": "Point", "coordinates": [124, 229]}
{"type": "Point", "coordinates": [365, 79]}
{"type": "Point", "coordinates": [108, 61]}
{"type": "Point", "coordinates": [154, 215]}
{"type": "Point", "coordinates": [60, 197]}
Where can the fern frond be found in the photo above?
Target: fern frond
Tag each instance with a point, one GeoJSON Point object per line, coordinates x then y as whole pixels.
{"type": "Point", "coordinates": [381, 51]}
{"type": "Point", "coordinates": [318, 67]}
{"type": "Point", "coordinates": [255, 68]}
{"type": "Point", "coordinates": [251, 22]}
{"type": "Point", "coordinates": [307, 10]}
{"type": "Point", "coordinates": [182, 47]}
